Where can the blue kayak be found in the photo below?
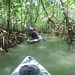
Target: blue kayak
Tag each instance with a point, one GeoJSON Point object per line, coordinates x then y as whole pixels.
{"type": "Point", "coordinates": [29, 66]}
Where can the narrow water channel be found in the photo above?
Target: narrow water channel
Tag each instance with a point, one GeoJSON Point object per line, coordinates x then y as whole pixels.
{"type": "Point", "coordinates": [53, 54]}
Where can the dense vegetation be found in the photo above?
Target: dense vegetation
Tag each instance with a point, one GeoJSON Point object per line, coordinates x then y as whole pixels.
{"type": "Point", "coordinates": [52, 16]}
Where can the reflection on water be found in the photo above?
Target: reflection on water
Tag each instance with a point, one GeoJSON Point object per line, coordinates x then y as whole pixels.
{"type": "Point", "coordinates": [54, 54]}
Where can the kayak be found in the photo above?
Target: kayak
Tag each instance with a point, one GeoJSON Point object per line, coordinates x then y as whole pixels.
{"type": "Point", "coordinates": [29, 66]}
{"type": "Point", "coordinates": [31, 40]}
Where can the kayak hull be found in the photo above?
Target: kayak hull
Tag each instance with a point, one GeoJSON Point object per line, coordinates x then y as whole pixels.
{"type": "Point", "coordinates": [30, 60]}
{"type": "Point", "coordinates": [31, 40]}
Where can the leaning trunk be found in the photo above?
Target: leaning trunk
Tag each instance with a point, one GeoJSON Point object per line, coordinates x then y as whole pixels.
{"type": "Point", "coordinates": [49, 19]}
{"type": "Point", "coordinates": [66, 16]}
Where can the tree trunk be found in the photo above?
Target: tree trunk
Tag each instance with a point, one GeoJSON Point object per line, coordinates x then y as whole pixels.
{"type": "Point", "coordinates": [21, 13]}
{"type": "Point", "coordinates": [37, 13]}
{"type": "Point", "coordinates": [70, 31]}
{"type": "Point", "coordinates": [53, 8]}
{"type": "Point", "coordinates": [66, 16]}
{"type": "Point", "coordinates": [67, 7]}
{"type": "Point", "coordinates": [8, 20]}
{"type": "Point", "coordinates": [49, 19]}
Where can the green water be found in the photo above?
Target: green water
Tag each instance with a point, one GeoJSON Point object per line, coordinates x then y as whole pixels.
{"type": "Point", "coordinates": [53, 54]}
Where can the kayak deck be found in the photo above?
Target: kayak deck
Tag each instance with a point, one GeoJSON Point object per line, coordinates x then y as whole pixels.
{"type": "Point", "coordinates": [30, 60]}
{"type": "Point", "coordinates": [34, 39]}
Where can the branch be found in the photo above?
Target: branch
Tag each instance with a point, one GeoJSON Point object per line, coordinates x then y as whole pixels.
{"type": "Point", "coordinates": [49, 19]}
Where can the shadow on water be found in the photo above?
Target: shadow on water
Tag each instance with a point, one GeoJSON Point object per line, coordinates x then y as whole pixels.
{"type": "Point", "coordinates": [54, 54]}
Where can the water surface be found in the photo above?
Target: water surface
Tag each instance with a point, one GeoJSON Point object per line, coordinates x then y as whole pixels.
{"type": "Point", "coordinates": [53, 54]}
